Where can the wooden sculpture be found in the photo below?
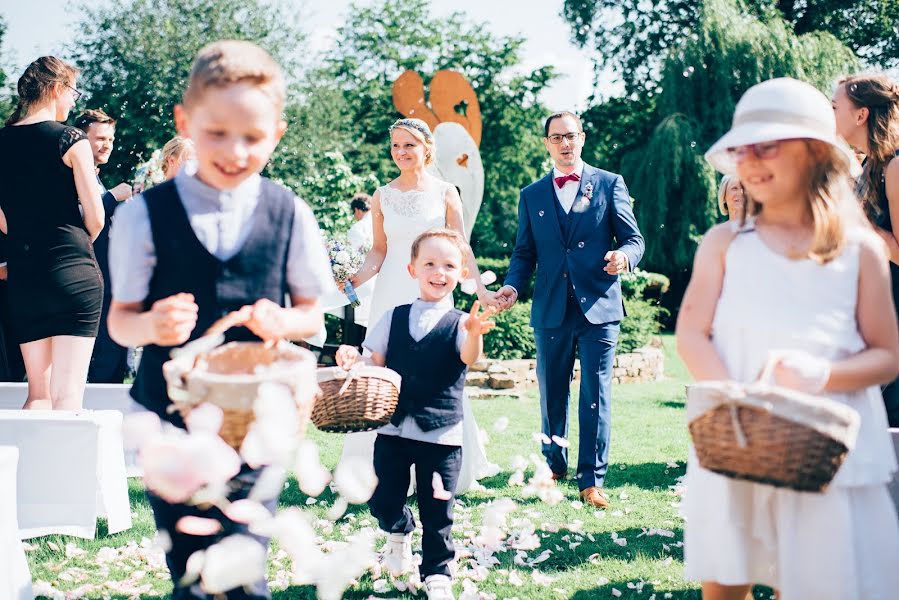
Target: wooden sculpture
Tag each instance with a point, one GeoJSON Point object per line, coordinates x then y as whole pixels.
{"type": "Point", "coordinates": [454, 116]}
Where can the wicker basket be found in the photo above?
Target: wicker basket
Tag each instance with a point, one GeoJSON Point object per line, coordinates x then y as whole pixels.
{"type": "Point", "coordinates": [361, 399]}
{"type": "Point", "coordinates": [229, 376]}
{"type": "Point", "coordinates": [770, 434]}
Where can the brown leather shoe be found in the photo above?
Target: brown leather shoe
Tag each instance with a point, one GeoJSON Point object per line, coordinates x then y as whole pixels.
{"type": "Point", "coordinates": [560, 476]}
{"type": "Point", "coordinates": [595, 497]}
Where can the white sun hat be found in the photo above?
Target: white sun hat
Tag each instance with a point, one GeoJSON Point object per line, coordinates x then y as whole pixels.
{"type": "Point", "coordinates": [778, 109]}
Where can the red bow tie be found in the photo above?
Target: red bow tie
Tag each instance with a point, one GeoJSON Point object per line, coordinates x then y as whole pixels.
{"type": "Point", "coordinates": [561, 181]}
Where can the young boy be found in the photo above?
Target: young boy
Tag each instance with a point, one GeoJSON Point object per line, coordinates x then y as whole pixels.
{"type": "Point", "coordinates": [192, 249]}
{"type": "Point", "coordinates": [430, 344]}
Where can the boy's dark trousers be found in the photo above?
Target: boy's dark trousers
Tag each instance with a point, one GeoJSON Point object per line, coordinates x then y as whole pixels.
{"type": "Point", "coordinates": [183, 545]}
{"type": "Point", "coordinates": [393, 457]}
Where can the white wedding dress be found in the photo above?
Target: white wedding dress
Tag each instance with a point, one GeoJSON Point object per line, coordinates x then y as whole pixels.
{"type": "Point", "coordinates": [406, 216]}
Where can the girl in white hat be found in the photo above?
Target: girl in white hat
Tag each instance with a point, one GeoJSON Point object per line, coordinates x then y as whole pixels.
{"type": "Point", "coordinates": [805, 278]}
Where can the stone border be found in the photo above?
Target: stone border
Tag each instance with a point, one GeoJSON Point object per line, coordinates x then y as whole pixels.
{"type": "Point", "coordinates": [491, 377]}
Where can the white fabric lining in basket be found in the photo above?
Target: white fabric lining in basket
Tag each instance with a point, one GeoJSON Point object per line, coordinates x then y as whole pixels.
{"type": "Point", "coordinates": [827, 417]}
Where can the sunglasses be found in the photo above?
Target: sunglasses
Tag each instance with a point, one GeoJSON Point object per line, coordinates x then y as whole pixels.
{"type": "Point", "coordinates": [762, 150]}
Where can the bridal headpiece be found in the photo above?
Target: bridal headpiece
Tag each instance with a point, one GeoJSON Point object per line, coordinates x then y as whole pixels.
{"type": "Point", "coordinates": [417, 125]}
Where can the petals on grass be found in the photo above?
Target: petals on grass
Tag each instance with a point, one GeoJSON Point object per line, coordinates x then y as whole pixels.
{"type": "Point", "coordinates": [192, 525]}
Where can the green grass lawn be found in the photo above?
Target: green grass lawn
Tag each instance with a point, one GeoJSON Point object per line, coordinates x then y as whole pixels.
{"type": "Point", "coordinates": [649, 447]}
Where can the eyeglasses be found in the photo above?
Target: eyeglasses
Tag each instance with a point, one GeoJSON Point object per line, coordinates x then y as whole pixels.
{"type": "Point", "coordinates": [556, 138]}
{"type": "Point", "coordinates": [762, 150]}
{"type": "Point", "coordinates": [77, 93]}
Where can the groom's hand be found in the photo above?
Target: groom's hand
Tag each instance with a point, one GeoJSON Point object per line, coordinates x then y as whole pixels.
{"type": "Point", "coordinates": [505, 297]}
{"type": "Point", "coordinates": [617, 262]}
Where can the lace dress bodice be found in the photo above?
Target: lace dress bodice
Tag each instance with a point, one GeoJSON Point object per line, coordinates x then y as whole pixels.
{"type": "Point", "coordinates": [406, 216]}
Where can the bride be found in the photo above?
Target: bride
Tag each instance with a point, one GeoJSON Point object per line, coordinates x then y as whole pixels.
{"type": "Point", "coordinates": [401, 210]}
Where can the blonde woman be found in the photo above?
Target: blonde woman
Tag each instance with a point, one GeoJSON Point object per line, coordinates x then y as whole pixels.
{"type": "Point", "coordinates": [403, 209]}
{"type": "Point", "coordinates": [175, 153]}
{"type": "Point", "coordinates": [731, 198]}
{"type": "Point", "coordinates": [801, 287]}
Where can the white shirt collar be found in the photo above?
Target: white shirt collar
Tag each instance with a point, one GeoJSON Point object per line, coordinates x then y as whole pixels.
{"type": "Point", "coordinates": [445, 302]}
{"type": "Point", "coordinates": [578, 168]}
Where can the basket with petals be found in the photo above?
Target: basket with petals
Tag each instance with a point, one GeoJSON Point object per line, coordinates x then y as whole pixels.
{"type": "Point", "coordinates": [230, 375]}
{"type": "Point", "coordinates": [360, 399]}
{"type": "Point", "coordinates": [769, 434]}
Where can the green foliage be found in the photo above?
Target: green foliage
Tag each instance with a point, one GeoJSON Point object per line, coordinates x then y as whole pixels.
{"type": "Point", "coordinates": [702, 79]}
{"type": "Point", "coordinates": [381, 41]}
{"type": "Point", "coordinates": [634, 36]}
{"type": "Point", "coordinates": [329, 190]}
{"type": "Point", "coordinates": [636, 283]}
{"type": "Point", "coordinates": [643, 321]}
{"type": "Point", "coordinates": [136, 55]}
{"type": "Point", "coordinates": [513, 336]}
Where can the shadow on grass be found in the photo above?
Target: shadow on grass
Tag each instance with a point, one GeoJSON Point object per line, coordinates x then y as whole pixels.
{"type": "Point", "coordinates": [605, 591]}
{"type": "Point", "coordinates": [647, 476]}
{"type": "Point", "coordinates": [674, 403]}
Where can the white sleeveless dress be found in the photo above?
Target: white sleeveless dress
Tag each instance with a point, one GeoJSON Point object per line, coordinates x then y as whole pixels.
{"type": "Point", "coordinates": [406, 216]}
{"type": "Point", "coordinates": [840, 544]}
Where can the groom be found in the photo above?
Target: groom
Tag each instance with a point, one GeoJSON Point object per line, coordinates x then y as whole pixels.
{"type": "Point", "coordinates": [577, 228]}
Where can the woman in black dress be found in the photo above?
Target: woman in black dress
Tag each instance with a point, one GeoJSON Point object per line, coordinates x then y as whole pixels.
{"type": "Point", "coordinates": [55, 287]}
{"type": "Point", "coordinates": [866, 108]}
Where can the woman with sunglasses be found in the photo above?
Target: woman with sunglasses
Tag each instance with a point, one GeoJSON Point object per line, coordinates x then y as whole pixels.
{"type": "Point", "coordinates": [799, 289]}
{"type": "Point", "coordinates": [50, 209]}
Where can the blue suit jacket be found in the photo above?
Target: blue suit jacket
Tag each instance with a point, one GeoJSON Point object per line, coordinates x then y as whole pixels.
{"type": "Point", "coordinates": [602, 223]}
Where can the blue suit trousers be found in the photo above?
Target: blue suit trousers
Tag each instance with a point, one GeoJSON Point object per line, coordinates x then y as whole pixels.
{"type": "Point", "coordinates": [594, 345]}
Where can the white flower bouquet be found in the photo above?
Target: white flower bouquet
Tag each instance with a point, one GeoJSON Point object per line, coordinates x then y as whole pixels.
{"type": "Point", "coordinates": [149, 173]}
{"type": "Point", "coordinates": [345, 262]}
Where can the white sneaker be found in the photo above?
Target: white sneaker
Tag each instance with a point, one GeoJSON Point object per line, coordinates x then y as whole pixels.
{"type": "Point", "coordinates": [440, 587]}
{"type": "Point", "coordinates": [397, 556]}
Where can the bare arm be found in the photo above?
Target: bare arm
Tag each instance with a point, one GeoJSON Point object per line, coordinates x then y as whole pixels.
{"type": "Point", "coordinates": [270, 321]}
{"type": "Point", "coordinates": [80, 159]}
{"type": "Point", "coordinates": [347, 356]}
{"type": "Point", "coordinates": [476, 325]}
{"type": "Point", "coordinates": [878, 363]}
{"type": "Point", "coordinates": [3, 226]}
{"type": "Point", "coordinates": [169, 322]}
{"type": "Point", "coordinates": [375, 257]}
{"type": "Point", "coordinates": [891, 175]}
{"type": "Point", "coordinates": [694, 323]}
{"type": "Point", "coordinates": [456, 222]}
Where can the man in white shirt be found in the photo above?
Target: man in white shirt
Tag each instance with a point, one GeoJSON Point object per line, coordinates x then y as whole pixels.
{"type": "Point", "coordinates": [360, 234]}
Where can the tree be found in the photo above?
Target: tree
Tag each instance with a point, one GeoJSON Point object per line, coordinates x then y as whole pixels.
{"type": "Point", "coordinates": [136, 55]}
{"type": "Point", "coordinates": [379, 42]}
{"type": "Point", "coordinates": [633, 36]}
{"type": "Point", "coordinates": [702, 79]}
{"type": "Point", "coordinates": [6, 95]}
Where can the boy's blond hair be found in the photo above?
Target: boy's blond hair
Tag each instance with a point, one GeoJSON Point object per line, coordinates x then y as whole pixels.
{"type": "Point", "coordinates": [447, 234]}
{"type": "Point", "coordinates": [227, 62]}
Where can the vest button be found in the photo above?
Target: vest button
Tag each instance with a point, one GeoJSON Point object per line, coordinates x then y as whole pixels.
{"type": "Point", "coordinates": [580, 244]}
{"type": "Point", "coordinates": [583, 300]}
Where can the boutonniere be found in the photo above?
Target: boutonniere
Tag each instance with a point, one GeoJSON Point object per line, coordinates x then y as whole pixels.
{"type": "Point", "coordinates": [584, 201]}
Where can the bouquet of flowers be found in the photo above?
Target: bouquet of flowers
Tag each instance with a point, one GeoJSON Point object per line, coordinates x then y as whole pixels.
{"type": "Point", "coordinates": [149, 173]}
{"type": "Point", "coordinates": [345, 262]}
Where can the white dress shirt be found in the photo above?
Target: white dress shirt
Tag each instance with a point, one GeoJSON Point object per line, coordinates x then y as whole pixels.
{"type": "Point", "coordinates": [423, 317]}
{"type": "Point", "coordinates": [568, 192]}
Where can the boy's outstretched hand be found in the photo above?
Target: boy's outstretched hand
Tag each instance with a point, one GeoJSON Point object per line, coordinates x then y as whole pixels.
{"type": "Point", "coordinates": [478, 323]}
